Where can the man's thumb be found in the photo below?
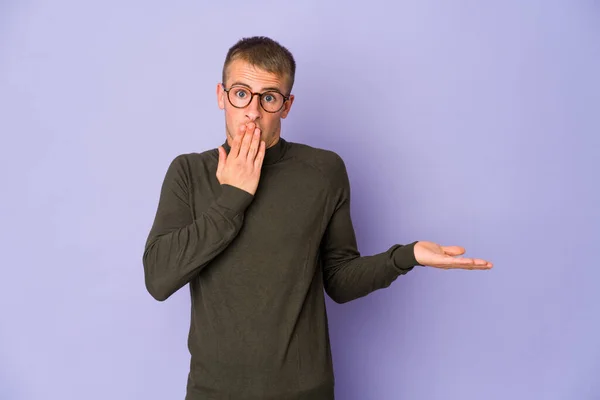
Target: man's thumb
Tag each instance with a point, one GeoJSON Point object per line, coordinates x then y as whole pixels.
{"type": "Point", "coordinates": [453, 250]}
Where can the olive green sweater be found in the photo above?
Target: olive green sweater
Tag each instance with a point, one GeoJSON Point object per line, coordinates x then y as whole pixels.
{"type": "Point", "coordinates": [257, 267]}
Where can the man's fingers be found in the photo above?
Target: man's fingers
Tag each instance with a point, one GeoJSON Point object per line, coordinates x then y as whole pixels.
{"type": "Point", "coordinates": [469, 263]}
{"type": "Point", "coordinates": [258, 161]}
{"type": "Point", "coordinates": [237, 142]}
{"type": "Point", "coordinates": [450, 258]}
{"type": "Point", "coordinates": [474, 261]}
{"type": "Point", "coordinates": [478, 266]}
{"type": "Point", "coordinates": [245, 146]}
{"type": "Point", "coordinates": [242, 168]}
{"type": "Point", "coordinates": [254, 144]}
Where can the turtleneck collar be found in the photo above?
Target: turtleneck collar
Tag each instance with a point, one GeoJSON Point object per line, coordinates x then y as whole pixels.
{"type": "Point", "coordinates": [272, 154]}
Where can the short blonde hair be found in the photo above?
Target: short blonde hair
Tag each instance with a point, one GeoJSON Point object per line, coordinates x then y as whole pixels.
{"type": "Point", "coordinates": [264, 53]}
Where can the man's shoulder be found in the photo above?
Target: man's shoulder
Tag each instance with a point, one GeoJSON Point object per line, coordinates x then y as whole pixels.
{"type": "Point", "coordinates": [210, 156]}
{"type": "Point", "coordinates": [190, 166]}
{"type": "Point", "coordinates": [320, 158]}
{"type": "Point", "coordinates": [326, 163]}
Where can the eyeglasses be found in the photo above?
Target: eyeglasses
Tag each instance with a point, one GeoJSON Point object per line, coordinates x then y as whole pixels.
{"type": "Point", "coordinates": [240, 96]}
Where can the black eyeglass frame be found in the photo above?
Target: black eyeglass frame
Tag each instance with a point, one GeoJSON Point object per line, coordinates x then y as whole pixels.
{"type": "Point", "coordinates": [252, 94]}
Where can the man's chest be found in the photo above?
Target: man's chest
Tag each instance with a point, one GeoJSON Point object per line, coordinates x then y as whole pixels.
{"type": "Point", "coordinates": [290, 205]}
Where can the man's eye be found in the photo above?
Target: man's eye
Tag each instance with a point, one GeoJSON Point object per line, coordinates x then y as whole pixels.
{"type": "Point", "coordinates": [241, 93]}
{"type": "Point", "coordinates": [269, 98]}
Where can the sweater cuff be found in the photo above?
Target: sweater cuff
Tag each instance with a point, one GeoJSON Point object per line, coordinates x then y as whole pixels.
{"type": "Point", "coordinates": [234, 199]}
{"type": "Point", "coordinates": [403, 257]}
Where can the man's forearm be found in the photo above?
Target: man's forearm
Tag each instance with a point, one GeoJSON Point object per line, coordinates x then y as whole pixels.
{"type": "Point", "coordinates": [351, 278]}
{"type": "Point", "coordinates": [172, 257]}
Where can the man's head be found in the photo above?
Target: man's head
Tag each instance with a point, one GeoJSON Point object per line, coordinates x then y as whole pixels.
{"type": "Point", "coordinates": [256, 65]}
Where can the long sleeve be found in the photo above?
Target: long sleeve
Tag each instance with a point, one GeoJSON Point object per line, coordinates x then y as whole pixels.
{"type": "Point", "coordinates": [178, 246]}
{"type": "Point", "coordinates": [347, 275]}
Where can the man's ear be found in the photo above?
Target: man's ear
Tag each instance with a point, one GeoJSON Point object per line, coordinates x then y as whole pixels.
{"type": "Point", "coordinates": [220, 96]}
{"type": "Point", "coordinates": [287, 106]}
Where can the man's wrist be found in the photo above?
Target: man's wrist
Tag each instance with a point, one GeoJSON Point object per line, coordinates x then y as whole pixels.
{"type": "Point", "coordinates": [404, 256]}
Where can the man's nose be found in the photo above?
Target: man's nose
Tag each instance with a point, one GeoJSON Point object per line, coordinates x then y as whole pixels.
{"type": "Point", "coordinates": [253, 109]}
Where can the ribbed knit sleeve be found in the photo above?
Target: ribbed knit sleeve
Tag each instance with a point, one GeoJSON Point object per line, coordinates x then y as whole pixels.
{"type": "Point", "coordinates": [179, 247]}
{"type": "Point", "coordinates": [347, 274]}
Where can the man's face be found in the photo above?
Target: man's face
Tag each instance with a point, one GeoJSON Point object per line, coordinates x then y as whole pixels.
{"type": "Point", "coordinates": [242, 75]}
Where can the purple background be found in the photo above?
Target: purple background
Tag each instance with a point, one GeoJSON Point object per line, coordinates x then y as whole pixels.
{"type": "Point", "coordinates": [463, 122]}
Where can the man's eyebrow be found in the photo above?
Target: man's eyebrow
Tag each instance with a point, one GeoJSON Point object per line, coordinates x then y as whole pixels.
{"type": "Point", "coordinates": [267, 89]}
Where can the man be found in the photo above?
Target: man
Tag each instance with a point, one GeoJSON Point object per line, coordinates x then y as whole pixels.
{"type": "Point", "coordinates": [257, 257]}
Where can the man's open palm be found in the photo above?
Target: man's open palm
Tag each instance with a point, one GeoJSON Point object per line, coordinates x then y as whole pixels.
{"type": "Point", "coordinates": [433, 255]}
